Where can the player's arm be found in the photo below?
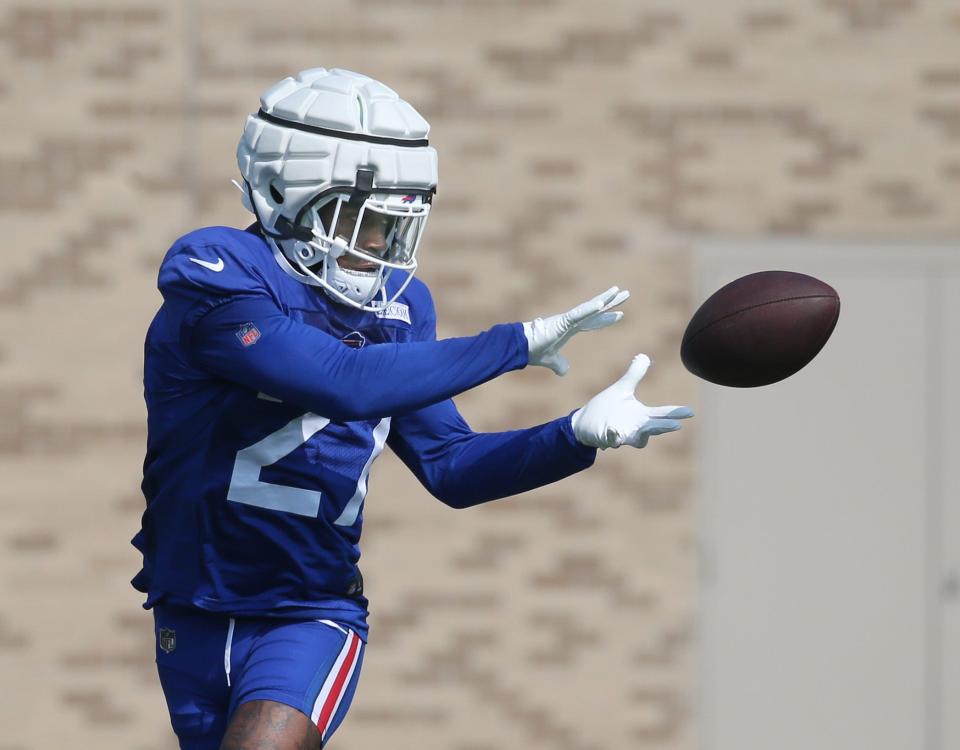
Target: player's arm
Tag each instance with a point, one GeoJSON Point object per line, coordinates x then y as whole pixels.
{"type": "Point", "coordinates": [303, 365]}
{"type": "Point", "coordinates": [300, 364]}
{"type": "Point", "coordinates": [462, 468]}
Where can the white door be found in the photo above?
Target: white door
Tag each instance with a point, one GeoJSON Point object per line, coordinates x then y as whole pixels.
{"type": "Point", "coordinates": [948, 657]}
{"type": "Point", "coordinates": [819, 497]}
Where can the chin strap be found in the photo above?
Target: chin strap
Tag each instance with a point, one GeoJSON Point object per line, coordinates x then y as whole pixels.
{"type": "Point", "coordinates": [287, 230]}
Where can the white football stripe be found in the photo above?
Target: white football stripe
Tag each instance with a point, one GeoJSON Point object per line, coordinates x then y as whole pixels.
{"type": "Point", "coordinates": [343, 691]}
{"type": "Point", "coordinates": [228, 649]}
{"type": "Point", "coordinates": [331, 678]}
{"type": "Point", "coordinates": [332, 624]}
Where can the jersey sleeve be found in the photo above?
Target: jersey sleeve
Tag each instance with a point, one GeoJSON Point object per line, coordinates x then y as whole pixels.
{"type": "Point", "coordinates": [199, 274]}
{"type": "Point", "coordinates": [235, 327]}
{"type": "Point", "coordinates": [462, 468]}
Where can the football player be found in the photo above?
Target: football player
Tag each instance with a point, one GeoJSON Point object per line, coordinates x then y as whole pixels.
{"type": "Point", "coordinates": [283, 359]}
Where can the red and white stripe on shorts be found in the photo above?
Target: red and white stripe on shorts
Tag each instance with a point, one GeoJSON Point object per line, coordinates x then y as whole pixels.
{"type": "Point", "coordinates": [327, 703]}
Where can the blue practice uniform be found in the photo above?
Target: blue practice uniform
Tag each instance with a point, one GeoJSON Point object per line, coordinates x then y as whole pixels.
{"type": "Point", "coordinates": [267, 405]}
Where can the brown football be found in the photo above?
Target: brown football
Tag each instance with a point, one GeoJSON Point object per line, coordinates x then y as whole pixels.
{"type": "Point", "coordinates": [760, 328]}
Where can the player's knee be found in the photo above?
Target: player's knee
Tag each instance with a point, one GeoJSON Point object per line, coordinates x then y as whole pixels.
{"type": "Point", "coordinates": [268, 725]}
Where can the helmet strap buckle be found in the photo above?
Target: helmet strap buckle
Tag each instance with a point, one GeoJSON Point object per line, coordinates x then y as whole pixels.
{"type": "Point", "coordinates": [363, 187]}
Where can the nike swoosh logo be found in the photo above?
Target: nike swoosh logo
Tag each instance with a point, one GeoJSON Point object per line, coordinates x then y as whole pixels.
{"type": "Point", "coordinates": [218, 266]}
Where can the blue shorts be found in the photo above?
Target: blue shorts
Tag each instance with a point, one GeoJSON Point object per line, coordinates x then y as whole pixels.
{"type": "Point", "coordinates": [210, 663]}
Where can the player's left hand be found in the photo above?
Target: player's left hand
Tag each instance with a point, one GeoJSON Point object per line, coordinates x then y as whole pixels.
{"type": "Point", "coordinates": [614, 417]}
{"type": "Point", "coordinates": [546, 336]}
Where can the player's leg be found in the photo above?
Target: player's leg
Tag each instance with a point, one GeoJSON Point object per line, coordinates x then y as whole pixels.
{"type": "Point", "coordinates": [295, 686]}
{"type": "Point", "coordinates": [268, 725]}
{"type": "Point", "coordinates": [190, 662]}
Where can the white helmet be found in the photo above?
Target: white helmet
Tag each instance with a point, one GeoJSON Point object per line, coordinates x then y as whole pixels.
{"type": "Point", "coordinates": [335, 150]}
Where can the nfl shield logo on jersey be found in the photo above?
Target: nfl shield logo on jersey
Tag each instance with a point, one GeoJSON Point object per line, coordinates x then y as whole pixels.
{"type": "Point", "coordinates": [168, 640]}
{"type": "Point", "coordinates": [248, 334]}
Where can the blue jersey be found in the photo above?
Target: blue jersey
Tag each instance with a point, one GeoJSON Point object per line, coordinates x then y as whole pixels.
{"type": "Point", "coordinates": [267, 405]}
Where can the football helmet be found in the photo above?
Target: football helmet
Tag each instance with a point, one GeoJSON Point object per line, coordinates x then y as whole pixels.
{"type": "Point", "coordinates": [336, 164]}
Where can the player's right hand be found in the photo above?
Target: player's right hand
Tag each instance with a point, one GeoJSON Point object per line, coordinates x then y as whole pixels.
{"type": "Point", "coordinates": [546, 336]}
{"type": "Point", "coordinates": [614, 417]}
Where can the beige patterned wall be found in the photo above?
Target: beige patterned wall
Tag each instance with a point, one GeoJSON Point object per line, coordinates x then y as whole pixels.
{"type": "Point", "coordinates": [582, 144]}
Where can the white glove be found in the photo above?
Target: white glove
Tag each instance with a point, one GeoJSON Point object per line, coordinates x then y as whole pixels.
{"type": "Point", "coordinates": [546, 336]}
{"type": "Point", "coordinates": [614, 417]}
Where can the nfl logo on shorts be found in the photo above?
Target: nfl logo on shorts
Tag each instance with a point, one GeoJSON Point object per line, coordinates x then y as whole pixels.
{"type": "Point", "coordinates": [248, 334]}
{"type": "Point", "coordinates": [168, 640]}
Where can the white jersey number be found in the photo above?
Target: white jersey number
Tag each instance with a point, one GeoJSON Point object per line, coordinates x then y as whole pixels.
{"type": "Point", "coordinates": [246, 486]}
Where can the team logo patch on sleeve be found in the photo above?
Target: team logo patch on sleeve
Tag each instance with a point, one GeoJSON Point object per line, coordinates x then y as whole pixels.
{"type": "Point", "coordinates": [248, 334]}
{"type": "Point", "coordinates": [394, 311]}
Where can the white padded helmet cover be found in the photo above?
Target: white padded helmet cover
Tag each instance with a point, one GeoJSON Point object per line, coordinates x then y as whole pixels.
{"type": "Point", "coordinates": [298, 164]}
